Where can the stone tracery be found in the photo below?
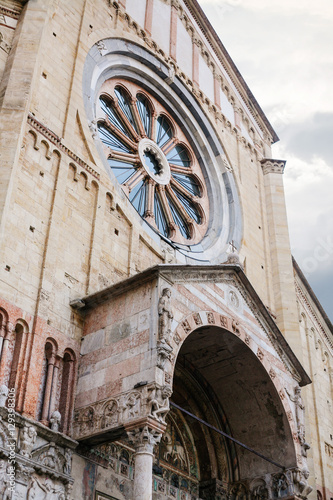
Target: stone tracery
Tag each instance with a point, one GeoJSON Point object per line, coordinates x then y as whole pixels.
{"type": "Point", "coordinates": [153, 161]}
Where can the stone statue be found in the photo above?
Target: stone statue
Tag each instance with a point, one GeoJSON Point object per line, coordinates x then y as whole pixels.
{"type": "Point", "coordinates": [28, 437]}
{"type": "Point", "coordinates": [158, 402]}
{"type": "Point", "coordinates": [3, 395]}
{"type": "Point", "coordinates": [299, 414]}
{"type": "Point", "coordinates": [68, 461]}
{"type": "Point", "coordinates": [165, 316]}
{"type": "Point", "coordinates": [55, 421]}
{"type": "Point", "coordinates": [300, 478]}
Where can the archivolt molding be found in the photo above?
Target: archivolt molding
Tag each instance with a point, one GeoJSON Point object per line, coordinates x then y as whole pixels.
{"type": "Point", "coordinates": [232, 325]}
{"type": "Point", "coordinates": [209, 318]}
{"type": "Point", "coordinates": [222, 276]}
{"type": "Point", "coordinates": [176, 70]}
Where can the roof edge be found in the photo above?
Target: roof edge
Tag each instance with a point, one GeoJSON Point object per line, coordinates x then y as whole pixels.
{"type": "Point", "coordinates": [219, 49]}
{"type": "Point", "coordinates": [312, 294]}
{"type": "Point", "coordinates": [165, 271]}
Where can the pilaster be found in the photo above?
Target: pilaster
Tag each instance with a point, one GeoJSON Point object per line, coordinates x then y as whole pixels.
{"type": "Point", "coordinates": [280, 253]}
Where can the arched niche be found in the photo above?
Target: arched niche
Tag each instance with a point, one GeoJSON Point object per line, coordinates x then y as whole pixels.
{"type": "Point", "coordinates": [237, 396]}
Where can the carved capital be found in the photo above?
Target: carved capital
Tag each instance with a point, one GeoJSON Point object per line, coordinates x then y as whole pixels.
{"type": "Point", "coordinates": [270, 166]}
{"type": "Point", "coordinates": [144, 439]}
{"type": "Point", "coordinates": [9, 329]}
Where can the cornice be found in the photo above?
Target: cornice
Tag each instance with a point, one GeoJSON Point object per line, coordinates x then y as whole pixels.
{"type": "Point", "coordinates": [174, 273]}
{"type": "Point", "coordinates": [14, 14]}
{"type": "Point", "coordinates": [228, 64]}
{"type": "Point", "coordinates": [270, 166]}
{"type": "Point", "coordinates": [301, 294]}
{"type": "Point", "coordinates": [57, 141]}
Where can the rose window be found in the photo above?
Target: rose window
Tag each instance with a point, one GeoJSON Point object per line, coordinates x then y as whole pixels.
{"type": "Point", "coordinates": [153, 161]}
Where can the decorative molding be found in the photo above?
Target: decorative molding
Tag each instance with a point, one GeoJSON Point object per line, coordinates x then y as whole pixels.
{"type": "Point", "coordinates": [54, 139]}
{"type": "Point", "coordinates": [150, 401]}
{"type": "Point", "coordinates": [144, 439]}
{"type": "Point", "coordinates": [224, 275]}
{"type": "Point", "coordinates": [301, 296]}
{"type": "Point", "coordinates": [14, 14]}
{"type": "Point", "coordinates": [270, 166]}
{"type": "Point", "coordinates": [223, 57]}
{"type": "Point", "coordinates": [175, 70]}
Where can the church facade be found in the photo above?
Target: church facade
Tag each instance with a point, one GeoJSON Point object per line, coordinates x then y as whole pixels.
{"type": "Point", "coordinates": [157, 340]}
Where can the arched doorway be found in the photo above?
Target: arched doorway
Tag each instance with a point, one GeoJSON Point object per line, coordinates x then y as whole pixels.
{"type": "Point", "coordinates": [219, 380]}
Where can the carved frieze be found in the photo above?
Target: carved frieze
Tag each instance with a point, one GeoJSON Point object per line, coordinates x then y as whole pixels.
{"type": "Point", "coordinates": [148, 401]}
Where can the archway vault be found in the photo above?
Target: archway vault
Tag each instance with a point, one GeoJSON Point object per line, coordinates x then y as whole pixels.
{"type": "Point", "coordinates": [203, 333]}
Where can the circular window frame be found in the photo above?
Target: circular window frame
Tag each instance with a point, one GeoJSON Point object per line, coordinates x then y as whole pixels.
{"type": "Point", "coordinates": [169, 204]}
{"type": "Point", "coordinates": [129, 61]}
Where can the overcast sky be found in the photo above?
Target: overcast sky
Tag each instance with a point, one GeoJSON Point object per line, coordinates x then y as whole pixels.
{"type": "Point", "coordinates": [284, 51]}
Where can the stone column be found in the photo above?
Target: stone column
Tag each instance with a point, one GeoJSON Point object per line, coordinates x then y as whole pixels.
{"type": "Point", "coordinates": [48, 389]}
{"type": "Point", "coordinates": [52, 407]}
{"type": "Point", "coordinates": [2, 336]}
{"type": "Point", "coordinates": [144, 440]}
{"type": "Point", "coordinates": [4, 352]}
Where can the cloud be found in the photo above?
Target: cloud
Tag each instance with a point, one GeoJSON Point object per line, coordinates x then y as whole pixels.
{"type": "Point", "coordinates": [311, 138]}
{"type": "Point", "coordinates": [321, 283]}
{"type": "Point", "coordinates": [284, 52]}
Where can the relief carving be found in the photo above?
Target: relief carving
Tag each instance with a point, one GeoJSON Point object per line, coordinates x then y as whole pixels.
{"type": "Point", "coordinates": [177, 338]}
{"type": "Point", "coordinates": [158, 402]}
{"type": "Point", "coordinates": [47, 488]}
{"type": "Point", "coordinates": [233, 299]}
{"type": "Point", "coordinates": [280, 486]}
{"type": "Point", "coordinates": [132, 406]}
{"type": "Point", "coordinates": [224, 321]}
{"type": "Point", "coordinates": [174, 452]}
{"type": "Point", "coordinates": [5, 489]}
{"type": "Point", "coordinates": [3, 395]}
{"type": "Point", "coordinates": [197, 319]}
{"type": "Point", "coordinates": [28, 437]}
{"type": "Point", "coordinates": [235, 327]}
{"type": "Point", "coordinates": [186, 326]}
{"type": "Point", "coordinates": [260, 492]}
{"type": "Point", "coordinates": [110, 414]}
{"type": "Point", "coordinates": [163, 354]}
{"type": "Point", "coordinates": [210, 318]}
{"type": "Point", "coordinates": [260, 354]}
{"type": "Point", "coordinates": [68, 461]}
{"type": "Point", "coordinates": [101, 47]}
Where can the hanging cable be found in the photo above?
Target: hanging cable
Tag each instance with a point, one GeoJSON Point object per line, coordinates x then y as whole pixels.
{"type": "Point", "coordinates": [227, 436]}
